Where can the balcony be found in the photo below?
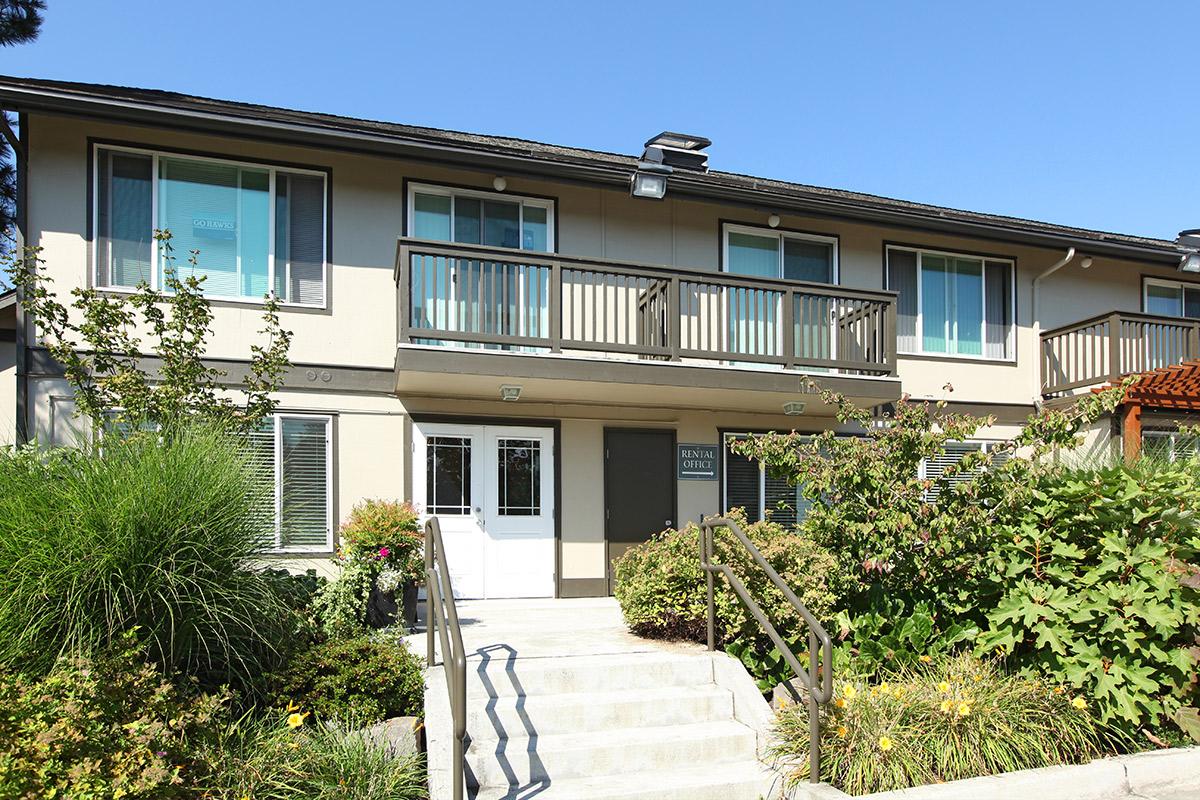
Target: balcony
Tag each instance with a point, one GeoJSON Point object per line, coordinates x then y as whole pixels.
{"type": "Point", "coordinates": [1105, 348]}
{"type": "Point", "coordinates": [624, 320]}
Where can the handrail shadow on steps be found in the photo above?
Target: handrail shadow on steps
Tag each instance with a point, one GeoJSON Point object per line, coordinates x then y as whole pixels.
{"type": "Point", "coordinates": [820, 646]}
{"type": "Point", "coordinates": [440, 614]}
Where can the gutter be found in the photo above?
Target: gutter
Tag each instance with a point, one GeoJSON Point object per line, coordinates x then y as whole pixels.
{"type": "Point", "coordinates": [527, 163]}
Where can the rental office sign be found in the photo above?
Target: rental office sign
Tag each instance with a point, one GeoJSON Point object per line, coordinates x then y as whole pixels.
{"type": "Point", "coordinates": [696, 462]}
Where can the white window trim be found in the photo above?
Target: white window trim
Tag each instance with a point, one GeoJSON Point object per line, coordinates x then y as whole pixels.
{"type": "Point", "coordinates": [766, 233]}
{"type": "Point", "coordinates": [453, 192]}
{"type": "Point", "coordinates": [277, 421]}
{"type": "Point", "coordinates": [1148, 281]}
{"type": "Point", "coordinates": [1011, 339]}
{"type": "Point", "coordinates": [156, 157]}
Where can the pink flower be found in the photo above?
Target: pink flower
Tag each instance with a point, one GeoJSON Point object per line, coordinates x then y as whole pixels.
{"type": "Point", "coordinates": [383, 552]}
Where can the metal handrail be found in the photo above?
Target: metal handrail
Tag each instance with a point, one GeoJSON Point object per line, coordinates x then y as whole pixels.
{"type": "Point", "coordinates": [440, 614]}
{"type": "Point", "coordinates": [820, 646]}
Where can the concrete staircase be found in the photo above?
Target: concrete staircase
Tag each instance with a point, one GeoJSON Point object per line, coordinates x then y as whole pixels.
{"type": "Point", "coordinates": [658, 724]}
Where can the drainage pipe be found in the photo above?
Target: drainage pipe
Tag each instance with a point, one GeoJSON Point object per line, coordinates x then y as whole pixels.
{"type": "Point", "coordinates": [1037, 321]}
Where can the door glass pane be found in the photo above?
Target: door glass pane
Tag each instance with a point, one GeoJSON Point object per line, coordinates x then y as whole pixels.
{"type": "Point", "coordinates": [1191, 303]}
{"type": "Point", "coordinates": [807, 261]}
{"type": "Point", "coordinates": [448, 475]}
{"type": "Point", "coordinates": [519, 484]}
{"type": "Point", "coordinates": [998, 308]}
{"type": "Point", "coordinates": [902, 278]}
{"type": "Point", "coordinates": [468, 220]}
{"type": "Point", "coordinates": [968, 307]}
{"type": "Point", "coordinates": [533, 236]}
{"type": "Point", "coordinates": [934, 306]}
{"type": "Point", "coordinates": [431, 217]}
{"type": "Point", "coordinates": [304, 483]}
{"type": "Point", "coordinates": [501, 224]}
{"type": "Point", "coordinates": [1165, 301]}
{"type": "Point", "coordinates": [753, 255]}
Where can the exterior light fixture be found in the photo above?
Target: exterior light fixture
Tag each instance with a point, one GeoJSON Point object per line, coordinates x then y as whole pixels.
{"type": "Point", "coordinates": [499, 184]}
{"type": "Point", "coordinates": [1189, 241]}
{"type": "Point", "coordinates": [794, 408]}
{"type": "Point", "coordinates": [773, 220]}
{"type": "Point", "coordinates": [510, 393]}
{"type": "Point", "coordinates": [1190, 262]}
{"type": "Point", "coordinates": [649, 181]}
{"type": "Point", "coordinates": [1086, 263]}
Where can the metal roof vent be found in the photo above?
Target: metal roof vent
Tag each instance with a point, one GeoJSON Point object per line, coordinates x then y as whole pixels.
{"type": "Point", "coordinates": [678, 150]}
{"type": "Point", "coordinates": [1190, 241]}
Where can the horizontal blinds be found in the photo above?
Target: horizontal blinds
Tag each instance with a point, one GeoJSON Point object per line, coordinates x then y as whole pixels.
{"type": "Point", "coordinates": [997, 309]}
{"type": "Point", "coordinates": [124, 219]}
{"type": "Point", "coordinates": [935, 468]}
{"type": "Point", "coordinates": [261, 446]}
{"type": "Point", "coordinates": [902, 278]}
{"type": "Point", "coordinates": [303, 483]}
{"type": "Point", "coordinates": [743, 478]}
{"type": "Point", "coordinates": [304, 266]}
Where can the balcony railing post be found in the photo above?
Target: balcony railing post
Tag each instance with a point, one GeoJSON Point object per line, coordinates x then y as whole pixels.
{"type": "Point", "coordinates": [789, 328]}
{"type": "Point", "coordinates": [1114, 347]}
{"type": "Point", "coordinates": [404, 295]}
{"type": "Point", "coordinates": [889, 336]}
{"type": "Point", "coordinates": [556, 307]}
{"type": "Point", "coordinates": [673, 318]}
{"type": "Point", "coordinates": [1193, 341]}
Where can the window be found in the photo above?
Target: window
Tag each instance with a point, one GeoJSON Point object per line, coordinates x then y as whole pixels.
{"type": "Point", "coordinates": [952, 304]}
{"type": "Point", "coordinates": [769, 253]}
{"type": "Point", "coordinates": [448, 475]}
{"type": "Point", "coordinates": [486, 218]}
{"type": "Point", "coordinates": [1170, 445]}
{"type": "Point", "coordinates": [292, 451]}
{"type": "Point", "coordinates": [519, 482]}
{"type": "Point", "coordinates": [745, 484]}
{"type": "Point", "coordinates": [257, 228]}
{"type": "Point", "coordinates": [1171, 298]}
{"type": "Point", "coordinates": [933, 468]}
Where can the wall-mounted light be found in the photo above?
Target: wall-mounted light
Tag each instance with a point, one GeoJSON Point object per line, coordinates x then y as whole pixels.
{"type": "Point", "coordinates": [499, 183]}
{"type": "Point", "coordinates": [794, 408]}
{"type": "Point", "coordinates": [649, 181]}
{"type": "Point", "coordinates": [1190, 262]}
{"type": "Point", "coordinates": [510, 393]}
{"type": "Point", "coordinates": [773, 220]}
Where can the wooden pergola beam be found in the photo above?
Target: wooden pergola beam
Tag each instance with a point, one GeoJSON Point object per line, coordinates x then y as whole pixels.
{"type": "Point", "coordinates": [1131, 432]}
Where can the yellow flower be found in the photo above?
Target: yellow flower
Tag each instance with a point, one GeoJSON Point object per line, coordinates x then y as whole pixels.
{"type": "Point", "coordinates": [885, 743]}
{"type": "Point", "coordinates": [946, 704]}
{"type": "Point", "coordinates": [925, 659]}
{"type": "Point", "coordinates": [976, 678]}
{"type": "Point", "coordinates": [1058, 690]}
{"type": "Point", "coordinates": [841, 731]}
{"type": "Point", "coordinates": [849, 692]}
{"type": "Point", "coordinates": [840, 702]}
{"type": "Point", "coordinates": [292, 707]}
{"type": "Point", "coordinates": [898, 691]}
{"type": "Point", "coordinates": [964, 709]}
{"type": "Point", "coordinates": [944, 687]}
{"type": "Point", "coordinates": [1079, 703]}
{"type": "Point", "coordinates": [295, 720]}
{"type": "Point", "coordinates": [885, 687]}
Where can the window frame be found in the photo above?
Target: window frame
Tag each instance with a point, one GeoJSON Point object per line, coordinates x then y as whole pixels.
{"type": "Point", "coordinates": [983, 258]}
{"type": "Point", "coordinates": [277, 422]}
{"type": "Point", "coordinates": [783, 233]}
{"type": "Point", "coordinates": [725, 435]}
{"type": "Point", "coordinates": [156, 155]}
{"type": "Point", "coordinates": [548, 203]}
{"type": "Point", "coordinates": [1182, 286]}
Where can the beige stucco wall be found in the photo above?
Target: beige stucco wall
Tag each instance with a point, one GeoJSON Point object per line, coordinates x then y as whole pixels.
{"type": "Point", "coordinates": [8, 393]}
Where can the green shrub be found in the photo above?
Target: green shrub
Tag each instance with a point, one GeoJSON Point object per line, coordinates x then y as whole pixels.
{"type": "Point", "coordinates": [266, 759]}
{"type": "Point", "coordinates": [158, 532]}
{"type": "Point", "coordinates": [1097, 588]}
{"type": "Point", "coordinates": [955, 718]}
{"type": "Point", "coordinates": [660, 585]}
{"type": "Point", "coordinates": [340, 605]}
{"type": "Point", "coordinates": [367, 679]}
{"type": "Point", "coordinates": [93, 729]}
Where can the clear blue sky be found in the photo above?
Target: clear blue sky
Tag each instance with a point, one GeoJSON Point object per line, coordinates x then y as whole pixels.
{"type": "Point", "coordinates": [1079, 113]}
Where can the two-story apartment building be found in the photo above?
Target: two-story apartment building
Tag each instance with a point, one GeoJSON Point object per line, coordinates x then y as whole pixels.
{"type": "Point", "coordinates": [551, 347]}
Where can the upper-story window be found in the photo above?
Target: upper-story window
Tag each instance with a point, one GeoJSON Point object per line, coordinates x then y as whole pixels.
{"type": "Point", "coordinates": [257, 228]}
{"type": "Point", "coordinates": [474, 217]}
{"type": "Point", "coordinates": [952, 303]}
{"type": "Point", "coordinates": [769, 253]}
{"type": "Point", "coordinates": [1171, 298]}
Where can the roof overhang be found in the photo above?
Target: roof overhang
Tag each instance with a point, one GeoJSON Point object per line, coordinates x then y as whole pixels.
{"type": "Point", "coordinates": [514, 159]}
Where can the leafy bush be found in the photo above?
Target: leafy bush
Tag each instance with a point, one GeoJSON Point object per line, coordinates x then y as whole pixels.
{"type": "Point", "coordinates": [269, 759]}
{"type": "Point", "coordinates": [100, 728]}
{"type": "Point", "coordinates": [956, 718]}
{"type": "Point", "coordinates": [158, 533]}
{"type": "Point", "coordinates": [890, 635]}
{"type": "Point", "coordinates": [660, 584]}
{"type": "Point", "coordinates": [367, 679]}
{"type": "Point", "coordinates": [1097, 587]}
{"type": "Point", "coordinates": [341, 604]}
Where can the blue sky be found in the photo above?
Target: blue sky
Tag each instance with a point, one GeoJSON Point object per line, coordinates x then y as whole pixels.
{"type": "Point", "coordinates": [1079, 113]}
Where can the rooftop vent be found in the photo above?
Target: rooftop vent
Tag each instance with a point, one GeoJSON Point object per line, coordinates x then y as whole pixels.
{"type": "Point", "coordinates": [1189, 240]}
{"type": "Point", "coordinates": [678, 150]}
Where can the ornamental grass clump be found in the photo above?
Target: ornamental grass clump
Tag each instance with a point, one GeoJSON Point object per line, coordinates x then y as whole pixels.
{"type": "Point", "coordinates": [944, 720]}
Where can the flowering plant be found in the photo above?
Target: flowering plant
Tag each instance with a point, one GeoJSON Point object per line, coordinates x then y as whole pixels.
{"type": "Point", "coordinates": [385, 535]}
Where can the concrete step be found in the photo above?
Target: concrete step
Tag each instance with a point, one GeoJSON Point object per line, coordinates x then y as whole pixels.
{"type": "Point", "coordinates": [547, 714]}
{"type": "Point", "coordinates": [523, 677]}
{"type": "Point", "coordinates": [747, 780]}
{"type": "Point", "coordinates": [533, 759]}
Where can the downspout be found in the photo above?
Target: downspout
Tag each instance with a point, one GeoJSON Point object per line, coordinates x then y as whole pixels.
{"type": "Point", "coordinates": [1037, 321]}
{"type": "Point", "coordinates": [21, 157]}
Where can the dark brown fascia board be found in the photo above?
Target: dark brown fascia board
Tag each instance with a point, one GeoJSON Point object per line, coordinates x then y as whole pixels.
{"type": "Point", "coordinates": [696, 186]}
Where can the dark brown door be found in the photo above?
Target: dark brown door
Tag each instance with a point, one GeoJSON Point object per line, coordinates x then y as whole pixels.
{"type": "Point", "coordinates": [639, 487]}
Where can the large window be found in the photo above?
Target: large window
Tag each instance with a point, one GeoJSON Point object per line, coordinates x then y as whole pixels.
{"type": "Point", "coordinates": [768, 253]}
{"type": "Point", "coordinates": [293, 453]}
{"type": "Point", "coordinates": [257, 228]}
{"type": "Point", "coordinates": [746, 485]}
{"type": "Point", "coordinates": [934, 468]}
{"type": "Point", "coordinates": [1171, 298]}
{"type": "Point", "coordinates": [952, 304]}
{"type": "Point", "coordinates": [468, 216]}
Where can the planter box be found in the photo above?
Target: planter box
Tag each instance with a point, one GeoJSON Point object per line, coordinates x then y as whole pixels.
{"type": "Point", "coordinates": [383, 610]}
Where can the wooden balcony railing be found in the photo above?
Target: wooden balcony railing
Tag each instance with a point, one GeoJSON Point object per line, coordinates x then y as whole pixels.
{"type": "Point", "coordinates": [498, 298]}
{"type": "Point", "coordinates": [1104, 348]}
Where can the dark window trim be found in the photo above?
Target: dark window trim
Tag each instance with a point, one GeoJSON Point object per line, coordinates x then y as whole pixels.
{"type": "Point", "coordinates": [93, 142]}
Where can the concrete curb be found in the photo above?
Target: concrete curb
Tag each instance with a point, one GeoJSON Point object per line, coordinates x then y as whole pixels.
{"type": "Point", "coordinates": [1143, 775]}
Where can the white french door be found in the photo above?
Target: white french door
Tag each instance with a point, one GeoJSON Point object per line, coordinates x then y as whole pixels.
{"type": "Point", "coordinates": [492, 489]}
